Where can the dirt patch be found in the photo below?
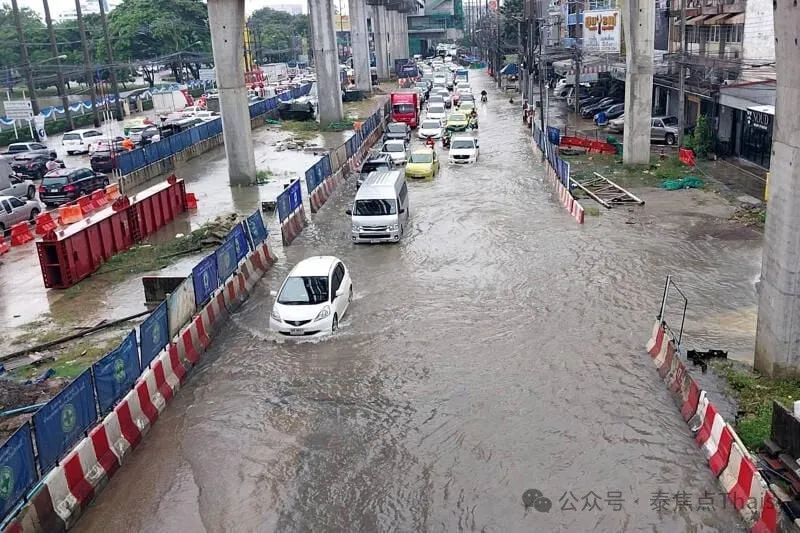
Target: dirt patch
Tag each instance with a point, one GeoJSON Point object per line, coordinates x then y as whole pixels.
{"type": "Point", "coordinates": [14, 394]}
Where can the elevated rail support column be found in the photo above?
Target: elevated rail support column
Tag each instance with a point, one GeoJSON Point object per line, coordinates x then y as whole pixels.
{"type": "Point", "coordinates": [360, 44]}
{"type": "Point", "coordinates": [226, 19]}
{"type": "Point", "coordinates": [326, 60]}
{"type": "Point", "coordinates": [639, 19]}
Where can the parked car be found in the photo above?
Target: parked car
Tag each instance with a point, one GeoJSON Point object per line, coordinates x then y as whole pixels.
{"type": "Point", "coordinates": [33, 164]}
{"type": "Point", "coordinates": [78, 141]}
{"type": "Point", "coordinates": [592, 110]}
{"type": "Point", "coordinates": [68, 184]}
{"type": "Point", "coordinates": [105, 160]}
{"type": "Point", "coordinates": [313, 298]}
{"type": "Point", "coordinates": [105, 143]}
{"type": "Point", "coordinates": [664, 129]}
{"type": "Point", "coordinates": [29, 147]}
{"type": "Point", "coordinates": [616, 125]}
{"type": "Point", "coordinates": [609, 113]}
{"type": "Point", "coordinates": [13, 211]}
{"type": "Point", "coordinates": [18, 186]}
{"type": "Point", "coordinates": [397, 130]}
{"type": "Point", "coordinates": [149, 135]}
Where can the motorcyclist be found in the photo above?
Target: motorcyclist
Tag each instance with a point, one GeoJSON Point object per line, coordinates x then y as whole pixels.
{"type": "Point", "coordinates": [53, 163]}
{"type": "Point", "coordinates": [473, 118]}
{"type": "Point", "coordinates": [484, 96]}
{"type": "Point", "coordinates": [446, 139]}
{"type": "Point", "coordinates": [430, 143]}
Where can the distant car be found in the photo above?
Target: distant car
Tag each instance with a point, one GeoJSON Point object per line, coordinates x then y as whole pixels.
{"type": "Point", "coordinates": [435, 99]}
{"type": "Point", "coordinates": [18, 186]}
{"type": "Point", "coordinates": [397, 130]}
{"type": "Point", "coordinates": [78, 141]}
{"type": "Point", "coordinates": [32, 164]}
{"type": "Point", "coordinates": [464, 149]}
{"type": "Point", "coordinates": [29, 147]}
{"type": "Point", "coordinates": [105, 160]}
{"type": "Point", "coordinates": [396, 150]}
{"type": "Point", "coordinates": [664, 129]}
{"type": "Point", "coordinates": [68, 184]}
{"type": "Point", "coordinates": [611, 112]}
{"type": "Point", "coordinates": [466, 107]}
{"type": "Point", "coordinates": [14, 210]}
{"type": "Point", "coordinates": [149, 135]}
{"type": "Point", "coordinates": [106, 143]}
{"type": "Point", "coordinates": [448, 99]}
{"type": "Point", "coordinates": [376, 163]}
{"type": "Point", "coordinates": [430, 127]}
{"type": "Point", "coordinates": [313, 298]}
{"type": "Point", "coordinates": [592, 110]}
{"type": "Point", "coordinates": [422, 163]}
{"type": "Point", "coordinates": [616, 125]}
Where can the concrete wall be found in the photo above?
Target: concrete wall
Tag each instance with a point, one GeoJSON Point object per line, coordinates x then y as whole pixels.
{"type": "Point", "coordinates": [759, 34]}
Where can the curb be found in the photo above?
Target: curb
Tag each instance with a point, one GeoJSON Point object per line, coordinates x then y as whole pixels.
{"type": "Point", "coordinates": [58, 501]}
{"type": "Point", "coordinates": [728, 459]}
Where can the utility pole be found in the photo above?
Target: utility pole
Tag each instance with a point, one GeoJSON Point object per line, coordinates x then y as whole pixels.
{"type": "Point", "coordinates": [88, 73]}
{"type": "Point", "coordinates": [577, 81]}
{"type": "Point", "coordinates": [682, 78]}
{"type": "Point", "coordinates": [112, 68]}
{"type": "Point", "coordinates": [26, 61]}
{"type": "Point", "coordinates": [62, 91]}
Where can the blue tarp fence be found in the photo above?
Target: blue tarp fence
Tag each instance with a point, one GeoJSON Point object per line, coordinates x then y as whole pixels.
{"type": "Point", "coordinates": [561, 167]}
{"type": "Point", "coordinates": [39, 444]}
{"type": "Point", "coordinates": [141, 157]}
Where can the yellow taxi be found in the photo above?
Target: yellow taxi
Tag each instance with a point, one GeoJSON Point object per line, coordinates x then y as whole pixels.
{"type": "Point", "coordinates": [422, 163]}
{"type": "Point", "coordinates": [457, 122]}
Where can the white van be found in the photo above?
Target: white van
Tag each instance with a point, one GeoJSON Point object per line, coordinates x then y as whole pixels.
{"type": "Point", "coordinates": [380, 211]}
{"type": "Point", "coordinates": [78, 141]}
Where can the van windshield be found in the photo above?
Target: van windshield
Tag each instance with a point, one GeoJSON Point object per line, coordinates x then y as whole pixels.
{"type": "Point", "coordinates": [372, 208]}
{"type": "Point", "coordinates": [309, 290]}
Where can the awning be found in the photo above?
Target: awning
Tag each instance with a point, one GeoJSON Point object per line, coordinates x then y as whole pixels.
{"type": "Point", "coordinates": [510, 70]}
{"type": "Point", "coordinates": [736, 19]}
{"type": "Point", "coordinates": [716, 20]}
{"type": "Point", "coordinates": [692, 21]}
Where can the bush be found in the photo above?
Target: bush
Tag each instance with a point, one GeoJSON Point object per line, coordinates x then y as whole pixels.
{"type": "Point", "coordinates": [701, 141]}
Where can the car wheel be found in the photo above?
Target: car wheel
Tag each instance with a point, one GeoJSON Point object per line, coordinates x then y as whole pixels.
{"type": "Point", "coordinates": [34, 214]}
{"type": "Point", "coordinates": [31, 192]}
{"type": "Point", "coordinates": [670, 139]}
{"type": "Point", "coordinates": [105, 182]}
{"type": "Point", "coordinates": [70, 152]}
{"type": "Point", "coordinates": [350, 296]}
{"type": "Point", "coordinates": [2, 229]}
{"type": "Point", "coordinates": [335, 324]}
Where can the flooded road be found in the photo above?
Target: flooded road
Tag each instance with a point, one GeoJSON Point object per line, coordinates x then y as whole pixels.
{"type": "Point", "coordinates": [497, 349]}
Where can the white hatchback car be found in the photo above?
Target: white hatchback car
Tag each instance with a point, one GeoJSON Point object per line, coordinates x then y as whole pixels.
{"type": "Point", "coordinates": [313, 299]}
{"type": "Point", "coordinates": [80, 141]}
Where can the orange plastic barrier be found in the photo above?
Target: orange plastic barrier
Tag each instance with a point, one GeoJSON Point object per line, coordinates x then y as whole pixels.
{"type": "Point", "coordinates": [99, 199]}
{"type": "Point", "coordinates": [45, 223]}
{"type": "Point", "coordinates": [69, 214]}
{"type": "Point", "coordinates": [112, 192]}
{"type": "Point", "coordinates": [86, 205]}
{"type": "Point", "coordinates": [4, 246]}
{"type": "Point", "coordinates": [590, 145]}
{"type": "Point", "coordinates": [686, 156]}
{"type": "Point", "coordinates": [191, 201]}
{"type": "Point", "coordinates": [20, 234]}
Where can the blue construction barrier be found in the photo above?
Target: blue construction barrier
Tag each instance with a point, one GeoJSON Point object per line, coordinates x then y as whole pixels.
{"type": "Point", "coordinates": [66, 418]}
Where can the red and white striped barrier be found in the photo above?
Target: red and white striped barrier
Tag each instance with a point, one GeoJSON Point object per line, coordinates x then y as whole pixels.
{"type": "Point", "coordinates": [727, 457]}
{"type": "Point", "coordinates": [293, 225]}
{"type": "Point", "coordinates": [573, 206]}
{"type": "Point", "coordinates": [72, 484]}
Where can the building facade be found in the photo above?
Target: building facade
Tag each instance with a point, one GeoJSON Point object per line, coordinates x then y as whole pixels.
{"type": "Point", "coordinates": [437, 21]}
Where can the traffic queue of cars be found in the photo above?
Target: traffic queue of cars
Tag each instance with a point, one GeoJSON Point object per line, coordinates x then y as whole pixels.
{"type": "Point", "coordinates": [317, 293]}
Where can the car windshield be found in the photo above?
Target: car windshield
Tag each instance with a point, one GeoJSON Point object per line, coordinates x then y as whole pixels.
{"type": "Point", "coordinates": [393, 147]}
{"type": "Point", "coordinates": [431, 125]}
{"type": "Point", "coordinates": [456, 117]}
{"type": "Point", "coordinates": [670, 121]}
{"type": "Point", "coordinates": [422, 158]}
{"type": "Point", "coordinates": [53, 181]}
{"type": "Point", "coordinates": [462, 144]}
{"type": "Point", "coordinates": [304, 290]}
{"type": "Point", "coordinates": [403, 108]}
{"type": "Point", "coordinates": [371, 208]}
{"type": "Point", "coordinates": [370, 167]}
{"type": "Point", "coordinates": [137, 129]}
{"type": "Point", "coordinates": [71, 137]}
{"type": "Point", "coordinates": [395, 127]}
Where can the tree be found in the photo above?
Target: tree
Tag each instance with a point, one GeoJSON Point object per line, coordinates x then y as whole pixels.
{"type": "Point", "coordinates": [274, 31]}
{"type": "Point", "coordinates": [10, 56]}
{"type": "Point", "coordinates": [512, 12]}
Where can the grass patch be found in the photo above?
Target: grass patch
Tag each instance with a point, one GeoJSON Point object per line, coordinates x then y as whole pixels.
{"type": "Point", "coordinates": [754, 394]}
{"type": "Point", "coordinates": [754, 217]}
{"type": "Point", "coordinates": [591, 211]}
{"type": "Point", "coordinates": [301, 129]}
{"type": "Point", "coordinates": [72, 359]}
{"type": "Point", "coordinates": [582, 168]}
{"type": "Point", "coordinates": [264, 176]}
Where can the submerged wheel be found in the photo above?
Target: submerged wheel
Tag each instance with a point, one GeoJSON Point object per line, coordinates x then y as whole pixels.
{"type": "Point", "coordinates": [335, 324]}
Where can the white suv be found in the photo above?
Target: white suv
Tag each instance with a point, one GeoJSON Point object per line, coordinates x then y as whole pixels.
{"type": "Point", "coordinates": [464, 149]}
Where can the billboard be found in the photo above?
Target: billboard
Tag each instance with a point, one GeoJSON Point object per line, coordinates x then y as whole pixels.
{"type": "Point", "coordinates": [602, 31]}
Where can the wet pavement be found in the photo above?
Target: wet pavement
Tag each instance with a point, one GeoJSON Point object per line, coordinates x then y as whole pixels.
{"type": "Point", "coordinates": [498, 348]}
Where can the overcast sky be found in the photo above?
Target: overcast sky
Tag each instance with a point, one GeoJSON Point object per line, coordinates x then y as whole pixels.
{"type": "Point", "coordinates": [60, 6]}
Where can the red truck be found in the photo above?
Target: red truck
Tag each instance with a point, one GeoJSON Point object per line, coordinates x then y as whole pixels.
{"type": "Point", "coordinates": [405, 108]}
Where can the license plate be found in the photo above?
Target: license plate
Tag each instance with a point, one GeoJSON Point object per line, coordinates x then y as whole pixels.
{"type": "Point", "coordinates": [53, 190]}
{"type": "Point", "coordinates": [295, 331]}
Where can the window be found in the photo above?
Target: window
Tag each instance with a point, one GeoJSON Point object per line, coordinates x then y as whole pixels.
{"type": "Point", "coordinates": [375, 207]}
{"type": "Point", "coordinates": [397, 127]}
{"type": "Point", "coordinates": [394, 147]}
{"type": "Point", "coordinates": [336, 281]}
{"type": "Point", "coordinates": [15, 202]}
{"type": "Point", "coordinates": [462, 144]}
{"type": "Point", "coordinates": [309, 290]}
{"type": "Point", "coordinates": [403, 193]}
{"type": "Point", "coordinates": [713, 34]}
{"type": "Point", "coordinates": [404, 108]}
{"type": "Point", "coordinates": [37, 146]}
{"type": "Point", "coordinates": [735, 33]}
{"type": "Point", "coordinates": [6, 207]}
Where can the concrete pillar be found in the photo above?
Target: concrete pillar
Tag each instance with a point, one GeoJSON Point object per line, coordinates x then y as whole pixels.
{"type": "Point", "coordinates": [360, 44]}
{"type": "Point", "coordinates": [778, 330]}
{"type": "Point", "coordinates": [639, 19]}
{"type": "Point", "coordinates": [391, 35]}
{"type": "Point", "coordinates": [326, 62]}
{"type": "Point", "coordinates": [379, 28]}
{"type": "Point", "coordinates": [226, 20]}
{"type": "Point", "coordinates": [406, 46]}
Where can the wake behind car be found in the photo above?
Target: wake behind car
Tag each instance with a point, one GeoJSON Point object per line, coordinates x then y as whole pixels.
{"type": "Point", "coordinates": [68, 184]}
{"type": "Point", "coordinates": [313, 299]}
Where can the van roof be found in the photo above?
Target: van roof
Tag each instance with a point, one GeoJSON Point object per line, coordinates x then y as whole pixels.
{"type": "Point", "coordinates": [84, 130]}
{"type": "Point", "coordinates": [380, 185]}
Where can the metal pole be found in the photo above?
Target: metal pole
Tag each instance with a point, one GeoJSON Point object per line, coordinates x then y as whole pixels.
{"type": "Point", "coordinates": [577, 80]}
{"type": "Point", "coordinates": [26, 61]}
{"type": "Point", "coordinates": [664, 298]}
{"type": "Point", "coordinates": [62, 91]}
{"type": "Point", "coordinates": [87, 64]}
{"type": "Point", "coordinates": [682, 77]}
{"type": "Point", "coordinates": [112, 69]}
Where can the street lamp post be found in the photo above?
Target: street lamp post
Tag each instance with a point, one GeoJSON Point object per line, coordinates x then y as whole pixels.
{"type": "Point", "coordinates": [112, 69]}
{"type": "Point", "coordinates": [62, 91]}
{"type": "Point", "coordinates": [26, 61]}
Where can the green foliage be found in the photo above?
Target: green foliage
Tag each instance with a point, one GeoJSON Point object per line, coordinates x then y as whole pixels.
{"type": "Point", "coordinates": [51, 127]}
{"type": "Point", "coordinates": [277, 33]}
{"type": "Point", "coordinates": [702, 140]}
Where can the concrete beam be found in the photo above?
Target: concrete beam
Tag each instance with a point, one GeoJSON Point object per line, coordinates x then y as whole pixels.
{"type": "Point", "coordinates": [326, 62]}
{"type": "Point", "coordinates": [360, 45]}
{"type": "Point", "coordinates": [226, 20]}
{"type": "Point", "coordinates": [778, 331]}
{"type": "Point", "coordinates": [639, 20]}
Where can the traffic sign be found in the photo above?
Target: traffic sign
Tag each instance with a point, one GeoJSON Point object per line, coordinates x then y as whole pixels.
{"type": "Point", "coordinates": [18, 109]}
{"type": "Point", "coordinates": [208, 74]}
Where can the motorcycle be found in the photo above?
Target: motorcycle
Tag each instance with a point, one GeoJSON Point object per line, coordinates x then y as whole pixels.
{"type": "Point", "coordinates": [484, 98]}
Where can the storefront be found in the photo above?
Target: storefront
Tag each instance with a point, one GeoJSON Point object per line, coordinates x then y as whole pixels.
{"type": "Point", "coordinates": [756, 143]}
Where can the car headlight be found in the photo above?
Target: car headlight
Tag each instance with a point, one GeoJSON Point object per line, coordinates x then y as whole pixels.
{"type": "Point", "coordinates": [393, 227]}
{"type": "Point", "coordinates": [356, 228]}
{"type": "Point", "coordinates": [326, 311]}
{"type": "Point", "coordinates": [275, 315]}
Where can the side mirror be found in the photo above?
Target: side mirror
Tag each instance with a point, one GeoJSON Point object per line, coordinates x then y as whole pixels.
{"type": "Point", "coordinates": [273, 293]}
{"type": "Point", "coordinates": [402, 211]}
{"type": "Point", "coordinates": [349, 212]}
{"type": "Point", "coordinates": [339, 291]}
